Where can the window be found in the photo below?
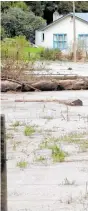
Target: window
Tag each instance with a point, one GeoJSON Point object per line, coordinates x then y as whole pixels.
{"type": "Point", "coordinates": [83, 41]}
{"type": "Point", "coordinates": [60, 41]}
{"type": "Point", "coordinates": [42, 37]}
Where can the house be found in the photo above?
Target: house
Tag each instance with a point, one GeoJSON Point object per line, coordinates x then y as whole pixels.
{"type": "Point", "coordinates": [59, 34]}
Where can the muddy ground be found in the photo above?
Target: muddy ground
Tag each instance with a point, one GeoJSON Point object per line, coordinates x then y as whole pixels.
{"type": "Point", "coordinates": [42, 184]}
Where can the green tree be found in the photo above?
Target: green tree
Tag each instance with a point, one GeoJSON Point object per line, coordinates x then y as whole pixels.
{"type": "Point", "coordinates": [18, 22]}
{"type": "Point", "coordinates": [46, 8]}
{"type": "Point", "coordinates": [5, 5]}
{"type": "Point", "coordinates": [2, 33]}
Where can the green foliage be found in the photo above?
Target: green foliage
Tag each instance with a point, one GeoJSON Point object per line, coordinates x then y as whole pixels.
{"type": "Point", "coordinates": [19, 22]}
{"type": "Point", "coordinates": [46, 8]}
{"type": "Point", "coordinates": [22, 164]}
{"type": "Point", "coordinates": [40, 159]}
{"type": "Point", "coordinates": [28, 131]}
{"type": "Point", "coordinates": [2, 33]}
{"type": "Point", "coordinates": [8, 4]}
{"type": "Point", "coordinates": [58, 155]}
{"type": "Point", "coordinates": [20, 4]}
{"type": "Point", "coordinates": [13, 48]}
{"type": "Point", "coordinates": [50, 54]}
{"type": "Point", "coordinates": [18, 48]}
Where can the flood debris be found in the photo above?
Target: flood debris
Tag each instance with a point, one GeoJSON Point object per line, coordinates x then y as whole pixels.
{"type": "Point", "coordinates": [44, 85]}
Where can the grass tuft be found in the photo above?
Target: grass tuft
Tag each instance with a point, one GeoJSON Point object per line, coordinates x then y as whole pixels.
{"type": "Point", "coordinates": [40, 159]}
{"type": "Point", "coordinates": [16, 124]}
{"type": "Point", "coordinates": [29, 130]}
{"type": "Point", "coordinates": [22, 164]}
{"type": "Point", "coordinates": [58, 154]}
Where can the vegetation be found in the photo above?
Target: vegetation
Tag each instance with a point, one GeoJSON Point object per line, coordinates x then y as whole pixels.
{"type": "Point", "coordinates": [40, 159]}
{"type": "Point", "coordinates": [29, 130]}
{"type": "Point", "coordinates": [16, 124]}
{"type": "Point", "coordinates": [58, 155]}
{"type": "Point", "coordinates": [19, 21]}
{"type": "Point", "coordinates": [22, 164]}
{"type": "Point", "coordinates": [46, 8]}
{"type": "Point", "coordinates": [18, 48]}
{"type": "Point", "coordinates": [51, 54]}
{"type": "Point", "coordinates": [23, 18]}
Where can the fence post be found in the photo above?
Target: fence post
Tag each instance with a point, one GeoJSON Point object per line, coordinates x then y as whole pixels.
{"type": "Point", "coordinates": [3, 166]}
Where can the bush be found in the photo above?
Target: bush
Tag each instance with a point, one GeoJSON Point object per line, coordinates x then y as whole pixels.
{"type": "Point", "coordinates": [17, 22]}
{"type": "Point", "coordinates": [50, 54]}
{"type": "Point", "coordinates": [2, 33]}
{"type": "Point", "coordinates": [13, 48]}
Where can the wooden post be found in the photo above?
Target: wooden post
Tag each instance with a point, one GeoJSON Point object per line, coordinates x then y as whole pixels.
{"type": "Point", "coordinates": [3, 166]}
{"type": "Point", "coordinates": [74, 33]}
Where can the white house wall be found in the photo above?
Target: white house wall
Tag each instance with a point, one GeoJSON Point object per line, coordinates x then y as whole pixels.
{"type": "Point", "coordinates": [63, 27]}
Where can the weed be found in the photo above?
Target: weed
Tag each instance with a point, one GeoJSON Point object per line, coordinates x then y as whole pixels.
{"type": "Point", "coordinates": [16, 124]}
{"type": "Point", "coordinates": [22, 164]}
{"type": "Point", "coordinates": [44, 145]}
{"type": "Point", "coordinates": [40, 159]}
{"type": "Point", "coordinates": [58, 155]}
{"type": "Point", "coordinates": [47, 142]}
{"type": "Point", "coordinates": [84, 146]}
{"type": "Point", "coordinates": [72, 138]}
{"type": "Point", "coordinates": [29, 130]}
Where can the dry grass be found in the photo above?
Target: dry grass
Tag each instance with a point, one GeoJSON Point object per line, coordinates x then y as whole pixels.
{"type": "Point", "coordinates": [16, 70]}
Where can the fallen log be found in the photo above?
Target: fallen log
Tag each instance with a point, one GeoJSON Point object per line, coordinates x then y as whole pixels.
{"type": "Point", "coordinates": [44, 85]}
{"type": "Point", "coordinates": [13, 85]}
{"type": "Point", "coordinates": [48, 86]}
{"type": "Point", "coordinates": [77, 84]}
{"type": "Point", "coordinates": [9, 85]}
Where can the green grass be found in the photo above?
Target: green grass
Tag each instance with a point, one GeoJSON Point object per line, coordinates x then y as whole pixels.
{"type": "Point", "coordinates": [28, 130]}
{"type": "Point", "coordinates": [47, 143]}
{"type": "Point", "coordinates": [22, 164]}
{"type": "Point", "coordinates": [33, 49]}
{"type": "Point", "coordinates": [84, 146]}
{"type": "Point", "coordinates": [72, 138]}
{"type": "Point", "coordinates": [40, 159]}
{"type": "Point", "coordinates": [58, 155]}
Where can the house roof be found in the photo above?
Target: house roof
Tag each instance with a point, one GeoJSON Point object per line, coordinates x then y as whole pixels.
{"type": "Point", "coordinates": [81, 16]}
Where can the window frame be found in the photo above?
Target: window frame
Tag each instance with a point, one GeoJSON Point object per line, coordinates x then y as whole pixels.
{"type": "Point", "coordinates": [82, 36]}
{"type": "Point", "coordinates": [58, 41]}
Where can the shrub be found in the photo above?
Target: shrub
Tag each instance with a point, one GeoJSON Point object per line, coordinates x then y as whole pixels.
{"type": "Point", "coordinates": [17, 22]}
{"type": "Point", "coordinates": [57, 154]}
{"type": "Point", "coordinates": [28, 131]}
{"type": "Point", "coordinates": [50, 54]}
{"type": "Point", "coordinates": [13, 48]}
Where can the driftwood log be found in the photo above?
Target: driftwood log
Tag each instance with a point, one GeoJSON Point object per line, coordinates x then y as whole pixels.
{"type": "Point", "coordinates": [44, 85]}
